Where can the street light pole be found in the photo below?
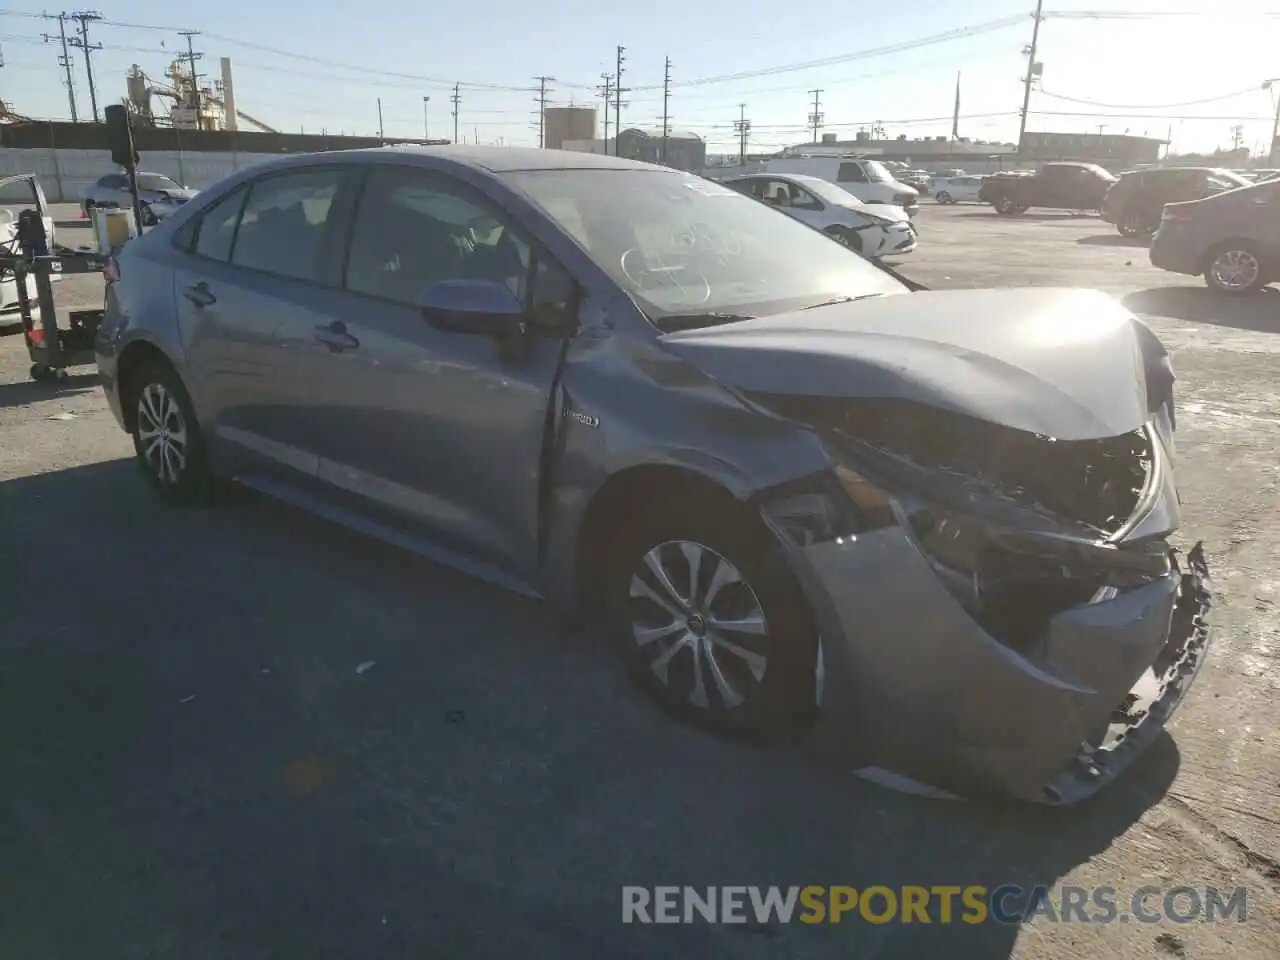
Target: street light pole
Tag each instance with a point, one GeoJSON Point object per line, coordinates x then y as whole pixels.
{"type": "Point", "coordinates": [426, 122]}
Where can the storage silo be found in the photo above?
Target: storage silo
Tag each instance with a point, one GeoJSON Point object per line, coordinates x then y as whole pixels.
{"type": "Point", "coordinates": [568, 123]}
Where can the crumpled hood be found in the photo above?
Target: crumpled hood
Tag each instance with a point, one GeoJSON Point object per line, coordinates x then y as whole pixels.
{"type": "Point", "coordinates": [885, 211]}
{"type": "Point", "coordinates": [1068, 364]}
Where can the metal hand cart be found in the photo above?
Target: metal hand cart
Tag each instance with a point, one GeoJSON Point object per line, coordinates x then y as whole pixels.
{"type": "Point", "coordinates": [50, 348]}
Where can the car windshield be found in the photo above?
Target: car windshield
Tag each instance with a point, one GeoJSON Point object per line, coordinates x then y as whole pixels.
{"type": "Point", "coordinates": [828, 192]}
{"type": "Point", "coordinates": [154, 181]}
{"type": "Point", "coordinates": [681, 245]}
{"type": "Point", "coordinates": [877, 172]}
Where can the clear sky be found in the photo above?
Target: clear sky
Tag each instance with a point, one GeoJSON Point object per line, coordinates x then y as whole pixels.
{"type": "Point", "coordinates": [324, 64]}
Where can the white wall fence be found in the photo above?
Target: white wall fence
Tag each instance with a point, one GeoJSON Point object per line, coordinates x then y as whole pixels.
{"type": "Point", "coordinates": [64, 173]}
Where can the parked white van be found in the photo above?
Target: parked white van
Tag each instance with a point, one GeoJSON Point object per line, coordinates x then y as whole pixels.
{"type": "Point", "coordinates": [868, 180]}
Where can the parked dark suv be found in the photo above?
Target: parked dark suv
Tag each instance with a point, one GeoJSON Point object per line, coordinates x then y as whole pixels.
{"type": "Point", "coordinates": [1232, 238]}
{"type": "Point", "coordinates": [1135, 202]}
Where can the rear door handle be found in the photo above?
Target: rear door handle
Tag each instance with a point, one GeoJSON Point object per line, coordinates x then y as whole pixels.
{"type": "Point", "coordinates": [200, 295]}
{"type": "Point", "coordinates": [335, 336]}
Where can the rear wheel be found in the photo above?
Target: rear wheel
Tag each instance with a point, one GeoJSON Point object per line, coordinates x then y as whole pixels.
{"type": "Point", "coordinates": [1006, 207]}
{"type": "Point", "coordinates": [710, 620]}
{"type": "Point", "coordinates": [1235, 267]}
{"type": "Point", "coordinates": [167, 440]}
{"type": "Point", "coordinates": [944, 197]}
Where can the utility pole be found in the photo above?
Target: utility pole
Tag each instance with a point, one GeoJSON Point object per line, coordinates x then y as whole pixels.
{"type": "Point", "coordinates": [742, 126]}
{"type": "Point", "coordinates": [426, 119]}
{"type": "Point", "coordinates": [81, 41]}
{"type": "Point", "coordinates": [191, 59]}
{"type": "Point", "coordinates": [606, 94]}
{"type": "Point", "coordinates": [64, 61]}
{"type": "Point", "coordinates": [381, 142]}
{"type": "Point", "coordinates": [1033, 71]}
{"type": "Point", "coordinates": [1273, 148]}
{"type": "Point", "coordinates": [666, 100]}
{"type": "Point", "coordinates": [541, 101]}
{"type": "Point", "coordinates": [617, 98]}
{"type": "Point", "coordinates": [455, 100]}
{"type": "Point", "coordinates": [815, 118]}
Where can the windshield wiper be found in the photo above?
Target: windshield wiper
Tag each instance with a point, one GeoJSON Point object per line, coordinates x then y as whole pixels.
{"type": "Point", "coordinates": [836, 300]}
{"type": "Point", "coordinates": [675, 322]}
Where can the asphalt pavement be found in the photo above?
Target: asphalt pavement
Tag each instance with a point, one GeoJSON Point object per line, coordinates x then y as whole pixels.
{"type": "Point", "coordinates": [242, 733]}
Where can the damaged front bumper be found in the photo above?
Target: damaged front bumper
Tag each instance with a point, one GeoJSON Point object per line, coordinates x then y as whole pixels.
{"type": "Point", "coordinates": [920, 688]}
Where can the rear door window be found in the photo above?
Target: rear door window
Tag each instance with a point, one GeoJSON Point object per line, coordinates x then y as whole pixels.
{"type": "Point", "coordinates": [851, 173]}
{"type": "Point", "coordinates": [282, 228]}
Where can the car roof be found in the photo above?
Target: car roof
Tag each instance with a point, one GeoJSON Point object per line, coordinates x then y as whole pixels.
{"type": "Point", "coordinates": [489, 160]}
{"type": "Point", "coordinates": [767, 175]}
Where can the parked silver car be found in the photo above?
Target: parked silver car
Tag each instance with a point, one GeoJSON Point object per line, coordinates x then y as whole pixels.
{"type": "Point", "coordinates": [157, 195]}
{"type": "Point", "coordinates": [799, 495]}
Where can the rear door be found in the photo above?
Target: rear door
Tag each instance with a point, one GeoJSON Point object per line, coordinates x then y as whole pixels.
{"type": "Point", "coordinates": [251, 291]}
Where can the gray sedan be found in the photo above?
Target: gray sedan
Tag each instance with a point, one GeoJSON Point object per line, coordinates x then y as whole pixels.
{"type": "Point", "coordinates": [157, 195]}
{"type": "Point", "coordinates": [927, 531]}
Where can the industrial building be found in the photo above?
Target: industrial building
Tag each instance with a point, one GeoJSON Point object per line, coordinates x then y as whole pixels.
{"type": "Point", "coordinates": [1118, 150]}
{"type": "Point", "coordinates": [680, 149]}
{"type": "Point", "coordinates": [560, 124]}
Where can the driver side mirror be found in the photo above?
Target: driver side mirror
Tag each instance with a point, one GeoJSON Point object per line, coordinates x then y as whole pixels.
{"type": "Point", "coordinates": [480, 307]}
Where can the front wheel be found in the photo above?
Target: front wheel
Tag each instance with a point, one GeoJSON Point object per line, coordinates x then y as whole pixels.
{"type": "Point", "coordinates": [1235, 267]}
{"type": "Point", "coordinates": [1006, 207]}
{"type": "Point", "coordinates": [845, 236]}
{"type": "Point", "coordinates": [711, 622]}
{"type": "Point", "coordinates": [944, 197]}
{"type": "Point", "coordinates": [167, 441]}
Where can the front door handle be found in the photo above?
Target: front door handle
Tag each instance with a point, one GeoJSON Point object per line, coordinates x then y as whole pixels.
{"type": "Point", "coordinates": [200, 295]}
{"type": "Point", "coordinates": [335, 336]}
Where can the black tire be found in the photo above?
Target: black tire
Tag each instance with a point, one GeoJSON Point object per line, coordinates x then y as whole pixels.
{"type": "Point", "coordinates": [149, 219]}
{"type": "Point", "coordinates": [944, 197]}
{"type": "Point", "coordinates": [849, 238]}
{"type": "Point", "coordinates": [174, 463]}
{"type": "Point", "coordinates": [780, 699]}
{"type": "Point", "coordinates": [1006, 207]}
{"type": "Point", "coordinates": [1244, 251]}
{"type": "Point", "coordinates": [1134, 225]}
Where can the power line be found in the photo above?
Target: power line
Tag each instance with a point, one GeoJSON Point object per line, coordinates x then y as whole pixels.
{"type": "Point", "coordinates": [1145, 116]}
{"type": "Point", "coordinates": [1153, 14]}
{"type": "Point", "coordinates": [1150, 106]}
{"type": "Point", "coordinates": [81, 40]}
{"type": "Point", "coordinates": [815, 118]}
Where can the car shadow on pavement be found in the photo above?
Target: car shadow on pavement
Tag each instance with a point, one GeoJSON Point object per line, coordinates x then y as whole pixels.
{"type": "Point", "coordinates": [246, 731]}
{"type": "Point", "coordinates": [1114, 240]}
{"type": "Point", "coordinates": [32, 391]}
{"type": "Point", "coordinates": [1258, 311]}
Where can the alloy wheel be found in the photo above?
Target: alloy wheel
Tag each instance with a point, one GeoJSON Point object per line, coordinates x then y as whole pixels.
{"type": "Point", "coordinates": [699, 625]}
{"type": "Point", "coordinates": [1235, 270]}
{"type": "Point", "coordinates": [163, 435]}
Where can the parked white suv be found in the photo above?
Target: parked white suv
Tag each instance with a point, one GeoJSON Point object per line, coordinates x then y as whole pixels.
{"type": "Point", "coordinates": [873, 229]}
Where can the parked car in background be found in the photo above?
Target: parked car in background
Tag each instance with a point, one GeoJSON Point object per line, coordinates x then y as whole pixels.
{"type": "Point", "coordinates": [795, 495]}
{"type": "Point", "coordinates": [873, 229]}
{"type": "Point", "coordinates": [1232, 239]}
{"type": "Point", "coordinates": [158, 195]}
{"type": "Point", "coordinates": [917, 180]}
{"type": "Point", "coordinates": [1058, 186]}
{"type": "Point", "coordinates": [868, 180]}
{"type": "Point", "coordinates": [1135, 201]}
{"type": "Point", "coordinates": [960, 189]}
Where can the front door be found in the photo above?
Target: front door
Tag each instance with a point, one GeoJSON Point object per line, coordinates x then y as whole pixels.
{"type": "Point", "coordinates": [251, 291]}
{"type": "Point", "coordinates": [441, 430]}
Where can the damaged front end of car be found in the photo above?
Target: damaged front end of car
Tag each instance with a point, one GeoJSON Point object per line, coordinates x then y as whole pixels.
{"type": "Point", "coordinates": [1001, 610]}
